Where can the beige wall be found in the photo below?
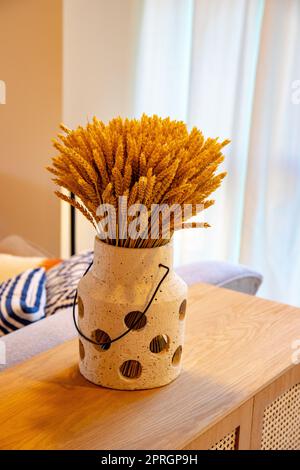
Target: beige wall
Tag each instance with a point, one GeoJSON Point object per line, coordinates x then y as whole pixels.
{"type": "Point", "coordinates": [60, 60]}
{"type": "Point", "coordinates": [31, 66]}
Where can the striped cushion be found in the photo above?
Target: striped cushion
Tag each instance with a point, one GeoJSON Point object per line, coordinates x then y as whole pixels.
{"type": "Point", "coordinates": [22, 300]}
{"type": "Point", "coordinates": [62, 281]}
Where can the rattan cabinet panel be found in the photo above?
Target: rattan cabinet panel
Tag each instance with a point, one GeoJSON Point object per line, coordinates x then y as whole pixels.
{"type": "Point", "coordinates": [229, 442]}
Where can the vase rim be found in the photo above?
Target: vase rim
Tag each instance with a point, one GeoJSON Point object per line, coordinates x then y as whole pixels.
{"type": "Point", "coordinates": [169, 244]}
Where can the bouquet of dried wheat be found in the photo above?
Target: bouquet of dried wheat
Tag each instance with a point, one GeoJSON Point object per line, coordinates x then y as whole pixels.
{"type": "Point", "coordinates": [151, 162]}
{"type": "Point", "coordinates": [136, 181]}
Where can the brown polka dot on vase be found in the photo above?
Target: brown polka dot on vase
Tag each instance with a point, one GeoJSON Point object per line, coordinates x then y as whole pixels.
{"type": "Point", "coordinates": [182, 310]}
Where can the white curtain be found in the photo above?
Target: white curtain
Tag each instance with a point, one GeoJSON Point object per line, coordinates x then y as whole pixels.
{"type": "Point", "coordinates": [231, 68]}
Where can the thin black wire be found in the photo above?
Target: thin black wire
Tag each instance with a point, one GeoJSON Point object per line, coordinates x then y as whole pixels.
{"type": "Point", "coordinates": [139, 317]}
{"type": "Point", "coordinates": [73, 226]}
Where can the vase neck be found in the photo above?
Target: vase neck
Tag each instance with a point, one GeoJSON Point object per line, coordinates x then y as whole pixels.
{"type": "Point", "coordinates": [130, 264]}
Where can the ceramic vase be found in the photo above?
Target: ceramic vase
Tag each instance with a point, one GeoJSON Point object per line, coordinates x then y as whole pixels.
{"type": "Point", "coordinates": [111, 299]}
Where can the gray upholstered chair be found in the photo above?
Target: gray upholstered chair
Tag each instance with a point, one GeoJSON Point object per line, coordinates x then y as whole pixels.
{"type": "Point", "coordinates": [223, 274]}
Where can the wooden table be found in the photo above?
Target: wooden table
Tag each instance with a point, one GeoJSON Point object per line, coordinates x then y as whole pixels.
{"type": "Point", "coordinates": [237, 362]}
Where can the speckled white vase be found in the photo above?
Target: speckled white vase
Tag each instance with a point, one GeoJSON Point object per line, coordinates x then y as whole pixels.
{"type": "Point", "coordinates": [119, 284]}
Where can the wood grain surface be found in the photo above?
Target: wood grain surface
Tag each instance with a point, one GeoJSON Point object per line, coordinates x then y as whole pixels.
{"type": "Point", "coordinates": [235, 346]}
